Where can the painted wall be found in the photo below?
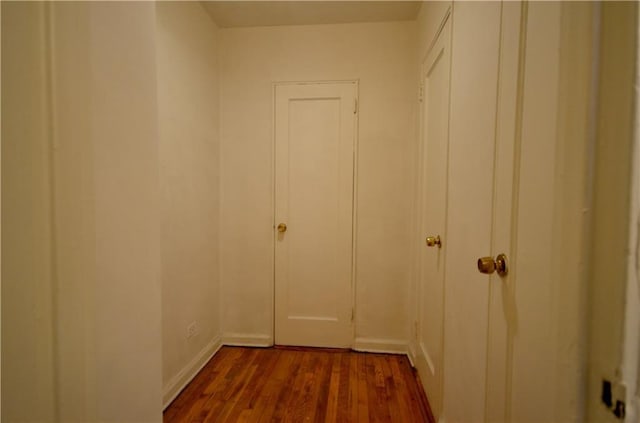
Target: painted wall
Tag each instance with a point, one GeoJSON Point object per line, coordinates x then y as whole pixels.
{"type": "Point", "coordinates": [0, 216]}
{"type": "Point", "coordinates": [631, 355]}
{"type": "Point", "coordinates": [106, 212]}
{"type": "Point", "coordinates": [187, 58]}
{"type": "Point", "coordinates": [569, 250]}
{"type": "Point", "coordinates": [27, 330]}
{"type": "Point", "coordinates": [613, 240]}
{"type": "Point", "coordinates": [382, 57]}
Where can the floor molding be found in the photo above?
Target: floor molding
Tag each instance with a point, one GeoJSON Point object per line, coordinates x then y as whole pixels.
{"type": "Point", "coordinates": [411, 354]}
{"type": "Point", "coordinates": [247, 340]}
{"type": "Point", "coordinates": [389, 346]}
{"type": "Point", "coordinates": [177, 383]}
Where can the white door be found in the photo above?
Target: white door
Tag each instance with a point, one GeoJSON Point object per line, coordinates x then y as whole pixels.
{"type": "Point", "coordinates": [313, 228]}
{"type": "Point", "coordinates": [435, 139]}
{"type": "Point", "coordinates": [484, 85]}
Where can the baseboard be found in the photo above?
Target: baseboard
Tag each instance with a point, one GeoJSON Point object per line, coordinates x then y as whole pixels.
{"type": "Point", "coordinates": [389, 346]}
{"type": "Point", "coordinates": [427, 358]}
{"type": "Point", "coordinates": [411, 354]}
{"type": "Point", "coordinates": [186, 375]}
{"type": "Point", "coordinates": [247, 340]}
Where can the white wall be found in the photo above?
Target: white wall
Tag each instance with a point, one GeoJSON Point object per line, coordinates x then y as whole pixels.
{"type": "Point", "coordinates": [382, 57]}
{"type": "Point", "coordinates": [27, 330]}
{"type": "Point", "coordinates": [613, 243]}
{"type": "Point", "coordinates": [0, 217]}
{"type": "Point", "coordinates": [115, 232]}
{"type": "Point", "coordinates": [106, 212]}
{"type": "Point", "coordinates": [187, 46]}
{"type": "Point", "coordinates": [631, 355]}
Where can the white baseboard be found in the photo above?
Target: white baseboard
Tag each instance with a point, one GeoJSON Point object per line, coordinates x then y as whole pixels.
{"type": "Point", "coordinates": [177, 383]}
{"type": "Point", "coordinates": [247, 340]}
{"type": "Point", "coordinates": [411, 354]}
{"type": "Point", "coordinates": [425, 355]}
{"type": "Point", "coordinates": [389, 346]}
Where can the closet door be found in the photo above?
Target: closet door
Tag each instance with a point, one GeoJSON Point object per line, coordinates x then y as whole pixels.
{"type": "Point", "coordinates": [434, 144]}
{"type": "Point", "coordinates": [313, 230]}
{"type": "Point", "coordinates": [484, 84]}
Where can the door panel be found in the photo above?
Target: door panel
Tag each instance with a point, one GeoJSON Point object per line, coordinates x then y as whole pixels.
{"type": "Point", "coordinates": [314, 141]}
{"type": "Point", "coordinates": [435, 139]}
{"type": "Point", "coordinates": [502, 310]}
{"type": "Point", "coordinates": [474, 79]}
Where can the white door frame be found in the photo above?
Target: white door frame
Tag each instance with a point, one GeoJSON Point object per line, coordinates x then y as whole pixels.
{"type": "Point", "coordinates": [354, 217]}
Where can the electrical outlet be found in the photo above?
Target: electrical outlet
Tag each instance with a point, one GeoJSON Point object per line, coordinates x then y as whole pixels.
{"type": "Point", "coordinates": [192, 330]}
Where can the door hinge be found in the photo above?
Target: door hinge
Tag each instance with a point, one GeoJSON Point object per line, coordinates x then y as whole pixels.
{"type": "Point", "coordinates": [421, 93]}
{"type": "Point", "coordinates": [613, 397]}
{"type": "Point", "coordinates": [352, 313]}
{"type": "Point", "coordinates": [355, 106]}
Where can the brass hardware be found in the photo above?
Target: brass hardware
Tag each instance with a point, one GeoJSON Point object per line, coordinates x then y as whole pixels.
{"type": "Point", "coordinates": [501, 265]}
{"type": "Point", "coordinates": [432, 241]}
{"type": "Point", "coordinates": [486, 265]}
{"type": "Point", "coordinates": [282, 227]}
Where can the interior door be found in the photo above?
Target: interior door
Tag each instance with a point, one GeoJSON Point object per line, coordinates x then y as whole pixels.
{"type": "Point", "coordinates": [434, 144]}
{"type": "Point", "coordinates": [482, 153]}
{"type": "Point", "coordinates": [313, 229]}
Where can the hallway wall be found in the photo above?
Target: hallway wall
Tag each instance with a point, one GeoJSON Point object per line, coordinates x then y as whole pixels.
{"type": "Point", "coordinates": [187, 70]}
{"type": "Point", "coordinates": [27, 331]}
{"type": "Point", "coordinates": [382, 57]}
{"type": "Point", "coordinates": [106, 218]}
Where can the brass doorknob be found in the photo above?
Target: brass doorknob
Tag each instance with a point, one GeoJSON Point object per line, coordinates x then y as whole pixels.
{"type": "Point", "coordinates": [282, 227]}
{"type": "Point", "coordinates": [432, 241]}
{"type": "Point", "coordinates": [488, 265]}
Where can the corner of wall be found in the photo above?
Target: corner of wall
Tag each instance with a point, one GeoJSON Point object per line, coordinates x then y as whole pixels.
{"type": "Point", "coordinates": [177, 383]}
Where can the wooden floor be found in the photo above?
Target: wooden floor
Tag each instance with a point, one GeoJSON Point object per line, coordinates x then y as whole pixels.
{"type": "Point", "coordinates": [302, 385]}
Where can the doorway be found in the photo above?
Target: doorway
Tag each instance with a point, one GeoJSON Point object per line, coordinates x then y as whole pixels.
{"type": "Point", "coordinates": [315, 134]}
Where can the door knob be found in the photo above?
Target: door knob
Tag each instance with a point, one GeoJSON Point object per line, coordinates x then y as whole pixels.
{"type": "Point", "coordinates": [433, 241]}
{"type": "Point", "coordinates": [488, 265]}
{"type": "Point", "coordinates": [282, 227]}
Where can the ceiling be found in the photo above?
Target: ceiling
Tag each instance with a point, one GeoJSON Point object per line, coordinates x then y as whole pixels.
{"type": "Point", "coordinates": [229, 14]}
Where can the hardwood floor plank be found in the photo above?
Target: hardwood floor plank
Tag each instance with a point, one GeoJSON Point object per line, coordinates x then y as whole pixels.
{"type": "Point", "coordinates": [287, 392]}
{"type": "Point", "coordinates": [333, 388]}
{"type": "Point", "coordinates": [301, 384]}
{"type": "Point", "coordinates": [363, 394]}
{"type": "Point", "coordinates": [400, 383]}
{"type": "Point", "coordinates": [378, 401]}
{"type": "Point", "coordinates": [390, 388]}
{"type": "Point", "coordinates": [275, 391]}
{"type": "Point", "coordinates": [353, 388]}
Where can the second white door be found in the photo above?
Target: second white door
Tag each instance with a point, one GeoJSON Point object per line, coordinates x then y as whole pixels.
{"type": "Point", "coordinates": [313, 228]}
{"type": "Point", "coordinates": [433, 237]}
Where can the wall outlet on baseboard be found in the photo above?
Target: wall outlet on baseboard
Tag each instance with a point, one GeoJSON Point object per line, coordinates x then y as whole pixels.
{"type": "Point", "coordinates": [192, 329]}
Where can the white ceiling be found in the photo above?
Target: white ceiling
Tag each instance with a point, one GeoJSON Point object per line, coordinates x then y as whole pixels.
{"type": "Point", "coordinates": [228, 14]}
